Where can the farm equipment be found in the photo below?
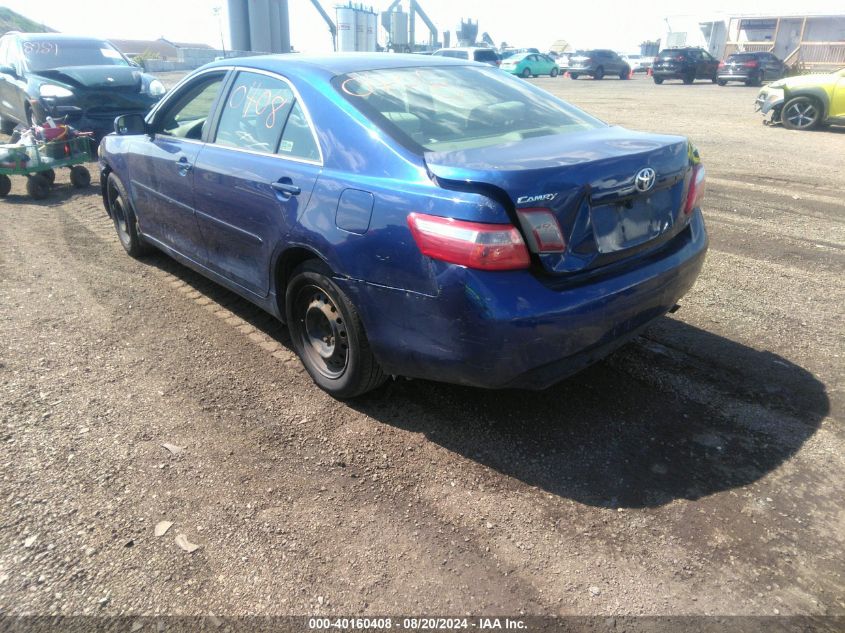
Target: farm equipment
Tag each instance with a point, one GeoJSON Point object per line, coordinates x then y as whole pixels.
{"type": "Point", "coordinates": [39, 160]}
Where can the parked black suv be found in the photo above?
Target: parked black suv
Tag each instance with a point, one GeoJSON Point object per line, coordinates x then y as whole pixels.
{"type": "Point", "coordinates": [598, 63]}
{"type": "Point", "coordinates": [750, 68]}
{"type": "Point", "coordinates": [686, 64]}
{"type": "Point", "coordinates": [86, 80]}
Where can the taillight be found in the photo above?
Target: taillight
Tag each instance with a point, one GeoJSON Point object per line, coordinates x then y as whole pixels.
{"type": "Point", "coordinates": [470, 244]}
{"type": "Point", "coordinates": [751, 64]}
{"type": "Point", "coordinates": [542, 230]}
{"type": "Point", "coordinates": [696, 189]}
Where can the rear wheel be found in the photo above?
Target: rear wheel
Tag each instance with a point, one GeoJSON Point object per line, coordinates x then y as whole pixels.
{"type": "Point", "coordinates": [573, 75]}
{"type": "Point", "coordinates": [7, 126]}
{"type": "Point", "coordinates": [625, 73]}
{"type": "Point", "coordinates": [689, 78]}
{"type": "Point", "coordinates": [801, 113]}
{"type": "Point", "coordinates": [526, 73]}
{"type": "Point", "coordinates": [80, 177]}
{"type": "Point", "coordinates": [5, 185]}
{"type": "Point", "coordinates": [125, 222]}
{"type": "Point", "coordinates": [49, 175]}
{"type": "Point", "coordinates": [38, 187]}
{"type": "Point", "coordinates": [722, 82]}
{"type": "Point", "coordinates": [327, 333]}
{"type": "Point", "coordinates": [599, 73]}
{"type": "Point", "coordinates": [658, 80]}
{"type": "Point", "coordinates": [753, 82]}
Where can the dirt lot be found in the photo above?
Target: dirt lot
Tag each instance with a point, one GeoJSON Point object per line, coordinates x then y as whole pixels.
{"type": "Point", "coordinates": [699, 470]}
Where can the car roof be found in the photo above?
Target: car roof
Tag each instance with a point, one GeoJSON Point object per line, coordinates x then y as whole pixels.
{"type": "Point", "coordinates": [56, 37]}
{"type": "Point", "coordinates": [339, 63]}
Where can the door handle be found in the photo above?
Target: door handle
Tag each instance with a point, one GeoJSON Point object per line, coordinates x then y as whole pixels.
{"type": "Point", "coordinates": [287, 188]}
{"type": "Point", "coordinates": [183, 166]}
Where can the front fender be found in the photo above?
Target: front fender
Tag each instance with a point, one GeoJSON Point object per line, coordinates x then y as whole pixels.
{"type": "Point", "coordinates": [816, 92]}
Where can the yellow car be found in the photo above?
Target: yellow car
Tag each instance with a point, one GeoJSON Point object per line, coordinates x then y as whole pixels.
{"type": "Point", "coordinates": [805, 101]}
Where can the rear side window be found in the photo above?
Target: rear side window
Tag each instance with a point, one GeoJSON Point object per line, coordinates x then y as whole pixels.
{"type": "Point", "coordinates": [297, 139]}
{"type": "Point", "coordinates": [486, 56]}
{"type": "Point", "coordinates": [254, 113]}
{"type": "Point", "coordinates": [460, 107]}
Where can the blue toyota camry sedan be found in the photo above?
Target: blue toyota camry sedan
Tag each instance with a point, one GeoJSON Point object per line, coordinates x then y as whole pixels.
{"type": "Point", "coordinates": [412, 216]}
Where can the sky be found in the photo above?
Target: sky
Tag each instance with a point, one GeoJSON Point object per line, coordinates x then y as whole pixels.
{"type": "Point", "coordinates": [591, 24]}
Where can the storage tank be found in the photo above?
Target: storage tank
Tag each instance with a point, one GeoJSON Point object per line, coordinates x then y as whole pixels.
{"type": "Point", "coordinates": [372, 31]}
{"type": "Point", "coordinates": [360, 30]}
{"type": "Point", "coordinates": [399, 29]}
{"type": "Point", "coordinates": [346, 26]}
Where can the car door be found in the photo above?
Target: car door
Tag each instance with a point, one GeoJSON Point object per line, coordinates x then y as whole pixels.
{"type": "Point", "coordinates": [547, 64]}
{"type": "Point", "coordinates": [255, 176]}
{"type": "Point", "coordinates": [837, 101]}
{"type": "Point", "coordinates": [162, 168]}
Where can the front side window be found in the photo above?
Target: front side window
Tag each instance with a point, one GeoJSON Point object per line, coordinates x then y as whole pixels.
{"type": "Point", "coordinates": [461, 107]}
{"type": "Point", "coordinates": [46, 54]}
{"type": "Point", "coordinates": [188, 111]}
{"type": "Point", "coordinates": [255, 113]}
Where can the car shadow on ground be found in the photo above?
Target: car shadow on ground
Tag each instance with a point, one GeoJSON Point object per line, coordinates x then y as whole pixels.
{"type": "Point", "coordinates": [60, 194]}
{"type": "Point", "coordinates": [620, 434]}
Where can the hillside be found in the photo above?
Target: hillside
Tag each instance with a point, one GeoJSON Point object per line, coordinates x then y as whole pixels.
{"type": "Point", "coordinates": [11, 21]}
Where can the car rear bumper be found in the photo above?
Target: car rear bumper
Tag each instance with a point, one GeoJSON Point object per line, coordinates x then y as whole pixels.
{"type": "Point", "coordinates": [738, 76]}
{"type": "Point", "coordinates": [498, 330]}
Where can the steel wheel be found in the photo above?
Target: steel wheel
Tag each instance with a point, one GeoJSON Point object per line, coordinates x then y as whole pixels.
{"type": "Point", "coordinates": [800, 113]}
{"type": "Point", "coordinates": [125, 223]}
{"type": "Point", "coordinates": [322, 331]}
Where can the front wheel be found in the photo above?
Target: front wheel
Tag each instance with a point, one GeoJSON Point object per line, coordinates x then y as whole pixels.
{"type": "Point", "coordinates": [7, 126]}
{"type": "Point", "coordinates": [327, 334]}
{"type": "Point", "coordinates": [625, 73]}
{"type": "Point", "coordinates": [801, 113]}
{"type": "Point", "coordinates": [38, 187]}
{"type": "Point", "coordinates": [5, 185]}
{"type": "Point", "coordinates": [125, 223]}
{"type": "Point", "coordinates": [599, 73]}
{"type": "Point", "coordinates": [689, 78]}
{"type": "Point", "coordinates": [554, 72]}
{"type": "Point", "coordinates": [658, 80]}
{"type": "Point", "coordinates": [722, 82]}
{"type": "Point", "coordinates": [573, 75]}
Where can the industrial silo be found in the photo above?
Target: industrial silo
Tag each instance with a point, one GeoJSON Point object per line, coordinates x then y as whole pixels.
{"type": "Point", "coordinates": [372, 31]}
{"type": "Point", "coordinates": [346, 26]}
{"type": "Point", "coordinates": [399, 30]}
{"type": "Point", "coordinates": [360, 29]}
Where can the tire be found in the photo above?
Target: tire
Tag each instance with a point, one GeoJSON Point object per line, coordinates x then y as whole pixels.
{"type": "Point", "coordinates": [7, 126]}
{"type": "Point", "coordinates": [753, 82]}
{"type": "Point", "coordinates": [801, 113]}
{"type": "Point", "coordinates": [554, 72]}
{"type": "Point", "coordinates": [573, 75]}
{"type": "Point", "coordinates": [722, 82]}
{"type": "Point", "coordinates": [689, 78]}
{"type": "Point", "coordinates": [80, 177]}
{"type": "Point", "coordinates": [623, 74]}
{"type": "Point", "coordinates": [327, 334]}
{"type": "Point", "coordinates": [125, 222]}
{"type": "Point", "coordinates": [658, 80]}
{"type": "Point", "coordinates": [38, 187]}
{"type": "Point", "coordinates": [599, 73]}
{"type": "Point", "coordinates": [49, 175]}
{"type": "Point", "coordinates": [5, 185]}
{"type": "Point", "coordinates": [526, 73]}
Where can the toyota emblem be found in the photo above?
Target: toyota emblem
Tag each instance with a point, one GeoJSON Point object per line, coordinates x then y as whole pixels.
{"type": "Point", "coordinates": [645, 179]}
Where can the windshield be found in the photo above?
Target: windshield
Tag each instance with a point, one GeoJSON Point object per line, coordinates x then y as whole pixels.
{"type": "Point", "coordinates": [458, 107]}
{"type": "Point", "coordinates": [48, 54]}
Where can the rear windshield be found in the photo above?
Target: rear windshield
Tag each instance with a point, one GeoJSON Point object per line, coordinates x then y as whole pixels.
{"type": "Point", "coordinates": [45, 54]}
{"type": "Point", "coordinates": [455, 54]}
{"type": "Point", "coordinates": [458, 107]}
{"type": "Point", "coordinates": [486, 56]}
{"type": "Point", "coordinates": [741, 57]}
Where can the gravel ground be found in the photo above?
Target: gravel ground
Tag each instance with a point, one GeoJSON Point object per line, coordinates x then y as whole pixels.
{"type": "Point", "coordinates": [700, 470]}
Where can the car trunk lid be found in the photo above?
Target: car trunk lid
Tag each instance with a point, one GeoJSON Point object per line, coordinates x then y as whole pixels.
{"type": "Point", "coordinates": [588, 181]}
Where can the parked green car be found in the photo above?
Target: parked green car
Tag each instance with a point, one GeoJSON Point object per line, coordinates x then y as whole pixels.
{"type": "Point", "coordinates": [530, 65]}
{"type": "Point", "coordinates": [805, 101]}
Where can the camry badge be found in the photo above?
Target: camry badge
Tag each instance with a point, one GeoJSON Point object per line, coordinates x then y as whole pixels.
{"type": "Point", "coordinates": [645, 179]}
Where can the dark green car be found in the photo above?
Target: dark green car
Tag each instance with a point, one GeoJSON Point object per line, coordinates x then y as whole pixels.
{"type": "Point", "coordinates": [83, 81]}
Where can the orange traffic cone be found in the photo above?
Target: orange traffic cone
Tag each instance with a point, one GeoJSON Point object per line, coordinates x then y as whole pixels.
{"type": "Point", "coordinates": [566, 75]}
{"type": "Point", "coordinates": [631, 73]}
{"type": "Point", "coordinates": [648, 73]}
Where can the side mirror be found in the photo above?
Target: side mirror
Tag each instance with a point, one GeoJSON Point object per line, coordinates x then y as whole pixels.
{"type": "Point", "coordinates": [129, 125]}
{"type": "Point", "coordinates": [8, 70]}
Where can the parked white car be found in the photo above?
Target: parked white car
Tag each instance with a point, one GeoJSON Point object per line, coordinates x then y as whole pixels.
{"type": "Point", "coordinates": [638, 63]}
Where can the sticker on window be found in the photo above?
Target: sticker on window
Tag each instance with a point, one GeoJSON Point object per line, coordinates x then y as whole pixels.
{"type": "Point", "coordinates": [286, 146]}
